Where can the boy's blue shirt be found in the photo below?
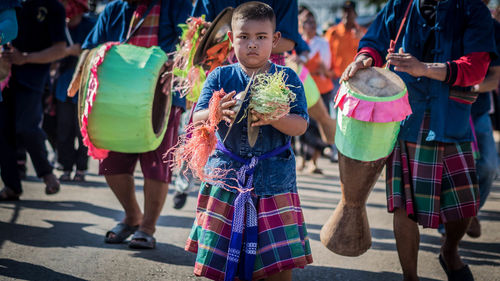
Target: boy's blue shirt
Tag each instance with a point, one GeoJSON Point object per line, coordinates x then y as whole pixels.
{"type": "Point", "coordinates": [462, 27]}
{"type": "Point", "coordinates": [114, 21]}
{"type": "Point", "coordinates": [274, 175]}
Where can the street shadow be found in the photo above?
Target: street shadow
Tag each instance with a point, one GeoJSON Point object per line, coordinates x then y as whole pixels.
{"type": "Point", "coordinates": [167, 254]}
{"type": "Point", "coordinates": [320, 273]}
{"type": "Point", "coordinates": [70, 235]}
{"type": "Point", "coordinates": [27, 271]}
{"type": "Point", "coordinates": [168, 220]}
{"type": "Point", "coordinates": [485, 215]}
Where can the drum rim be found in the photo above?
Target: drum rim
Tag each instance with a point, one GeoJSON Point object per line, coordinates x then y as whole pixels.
{"type": "Point", "coordinates": [371, 98]}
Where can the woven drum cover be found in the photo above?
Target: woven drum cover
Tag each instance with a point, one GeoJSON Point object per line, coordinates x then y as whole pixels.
{"type": "Point", "coordinates": [376, 82]}
{"type": "Point", "coordinates": [122, 115]}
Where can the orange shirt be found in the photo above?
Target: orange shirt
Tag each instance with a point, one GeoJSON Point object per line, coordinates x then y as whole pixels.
{"type": "Point", "coordinates": [324, 84]}
{"type": "Point", "coordinates": [343, 46]}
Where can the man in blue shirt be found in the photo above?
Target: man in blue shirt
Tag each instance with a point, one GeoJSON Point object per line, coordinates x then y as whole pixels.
{"type": "Point", "coordinates": [41, 40]}
{"type": "Point", "coordinates": [112, 26]}
{"type": "Point", "coordinates": [12, 189]}
{"type": "Point", "coordinates": [445, 47]}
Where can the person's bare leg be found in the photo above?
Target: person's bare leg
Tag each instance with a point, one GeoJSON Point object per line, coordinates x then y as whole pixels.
{"type": "Point", "coordinates": [407, 242]}
{"type": "Point", "coordinates": [123, 187]}
{"type": "Point", "coordinates": [455, 230]}
{"type": "Point", "coordinates": [281, 276]}
{"type": "Point", "coordinates": [155, 193]}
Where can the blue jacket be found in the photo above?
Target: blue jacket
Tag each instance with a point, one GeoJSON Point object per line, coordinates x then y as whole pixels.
{"type": "Point", "coordinates": [462, 27]}
{"type": "Point", "coordinates": [113, 24]}
{"type": "Point", "coordinates": [274, 175]}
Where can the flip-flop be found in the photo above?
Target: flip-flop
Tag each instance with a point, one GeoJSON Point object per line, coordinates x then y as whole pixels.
{"type": "Point", "coordinates": [142, 240]}
{"type": "Point", "coordinates": [462, 274]}
{"type": "Point", "coordinates": [121, 231]}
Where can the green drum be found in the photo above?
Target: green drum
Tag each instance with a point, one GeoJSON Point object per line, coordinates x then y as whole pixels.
{"type": "Point", "coordinates": [129, 113]}
{"type": "Point", "coordinates": [371, 105]}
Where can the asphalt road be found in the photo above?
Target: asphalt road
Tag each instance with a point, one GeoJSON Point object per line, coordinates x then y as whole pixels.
{"type": "Point", "coordinates": [60, 237]}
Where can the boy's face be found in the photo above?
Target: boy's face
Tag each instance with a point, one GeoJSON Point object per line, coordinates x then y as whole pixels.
{"type": "Point", "coordinates": [253, 41]}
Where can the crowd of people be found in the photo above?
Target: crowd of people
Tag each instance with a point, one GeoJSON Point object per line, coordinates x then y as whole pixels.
{"type": "Point", "coordinates": [439, 174]}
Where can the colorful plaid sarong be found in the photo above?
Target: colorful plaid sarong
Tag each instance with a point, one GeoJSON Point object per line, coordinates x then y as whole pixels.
{"type": "Point", "coordinates": [434, 182]}
{"type": "Point", "coordinates": [282, 235]}
{"type": "Point", "coordinates": [147, 34]}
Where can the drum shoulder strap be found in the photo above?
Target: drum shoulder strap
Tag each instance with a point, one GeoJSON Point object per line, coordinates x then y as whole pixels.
{"type": "Point", "coordinates": [140, 22]}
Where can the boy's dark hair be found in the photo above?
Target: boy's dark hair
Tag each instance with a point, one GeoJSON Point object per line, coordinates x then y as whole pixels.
{"type": "Point", "coordinates": [254, 10]}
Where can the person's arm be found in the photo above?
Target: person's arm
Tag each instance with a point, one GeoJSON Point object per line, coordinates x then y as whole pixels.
{"type": "Point", "coordinates": [286, 23]}
{"type": "Point", "coordinates": [490, 82]}
{"type": "Point", "coordinates": [284, 45]}
{"type": "Point", "coordinates": [466, 71]}
{"type": "Point", "coordinates": [53, 53]}
{"type": "Point", "coordinates": [8, 26]}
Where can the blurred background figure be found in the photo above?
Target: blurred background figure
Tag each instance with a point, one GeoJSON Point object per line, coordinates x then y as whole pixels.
{"type": "Point", "coordinates": [343, 39]}
{"type": "Point", "coordinates": [41, 41]}
{"type": "Point", "coordinates": [10, 178]}
{"type": "Point", "coordinates": [78, 27]}
{"type": "Point", "coordinates": [318, 63]}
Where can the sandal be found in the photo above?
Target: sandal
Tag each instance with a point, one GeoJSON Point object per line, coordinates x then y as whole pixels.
{"type": "Point", "coordinates": [142, 240]}
{"type": "Point", "coordinates": [121, 231]}
{"type": "Point", "coordinates": [52, 185]}
{"type": "Point", "coordinates": [6, 194]}
{"type": "Point", "coordinates": [462, 274]}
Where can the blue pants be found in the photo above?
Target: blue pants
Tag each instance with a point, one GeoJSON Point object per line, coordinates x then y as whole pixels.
{"type": "Point", "coordinates": [28, 118]}
{"type": "Point", "coordinates": [487, 163]}
{"type": "Point", "coordinates": [8, 162]}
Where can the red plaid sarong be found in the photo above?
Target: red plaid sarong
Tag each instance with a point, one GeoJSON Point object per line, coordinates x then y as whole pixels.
{"type": "Point", "coordinates": [434, 182]}
{"type": "Point", "coordinates": [147, 34]}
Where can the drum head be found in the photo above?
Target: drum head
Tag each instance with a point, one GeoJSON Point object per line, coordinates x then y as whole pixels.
{"type": "Point", "coordinates": [376, 82]}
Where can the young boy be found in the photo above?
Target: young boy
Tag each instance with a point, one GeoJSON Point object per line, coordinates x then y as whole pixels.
{"type": "Point", "coordinates": [275, 241]}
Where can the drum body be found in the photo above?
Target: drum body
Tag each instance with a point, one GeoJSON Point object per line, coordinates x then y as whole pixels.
{"type": "Point", "coordinates": [371, 106]}
{"type": "Point", "coordinates": [129, 113]}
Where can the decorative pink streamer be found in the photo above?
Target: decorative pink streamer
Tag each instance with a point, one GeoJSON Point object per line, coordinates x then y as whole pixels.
{"type": "Point", "coordinates": [94, 152]}
{"type": "Point", "coordinates": [371, 111]}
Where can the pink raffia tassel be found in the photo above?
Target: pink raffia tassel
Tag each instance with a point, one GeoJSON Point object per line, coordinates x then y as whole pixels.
{"type": "Point", "coordinates": [94, 152]}
{"type": "Point", "coordinates": [202, 142]}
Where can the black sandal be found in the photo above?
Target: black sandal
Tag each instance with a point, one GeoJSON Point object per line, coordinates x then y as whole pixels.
{"type": "Point", "coordinates": [6, 194]}
{"type": "Point", "coordinates": [121, 231]}
{"type": "Point", "coordinates": [462, 274]}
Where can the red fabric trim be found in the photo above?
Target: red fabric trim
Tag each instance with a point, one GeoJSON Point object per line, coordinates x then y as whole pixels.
{"type": "Point", "coordinates": [472, 68]}
{"type": "Point", "coordinates": [377, 59]}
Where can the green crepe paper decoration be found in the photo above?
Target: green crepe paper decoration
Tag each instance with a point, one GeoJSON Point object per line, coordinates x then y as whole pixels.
{"type": "Point", "coordinates": [311, 90]}
{"type": "Point", "coordinates": [271, 97]}
{"type": "Point", "coordinates": [121, 117]}
{"type": "Point", "coordinates": [183, 73]}
{"type": "Point", "coordinates": [365, 141]}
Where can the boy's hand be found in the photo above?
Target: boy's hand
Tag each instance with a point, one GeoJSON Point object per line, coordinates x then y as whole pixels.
{"type": "Point", "coordinates": [259, 120]}
{"type": "Point", "coordinates": [226, 103]}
